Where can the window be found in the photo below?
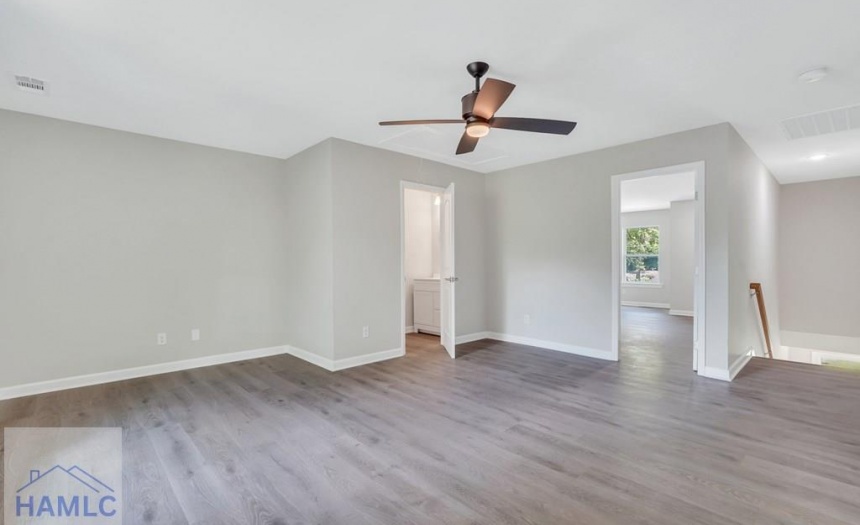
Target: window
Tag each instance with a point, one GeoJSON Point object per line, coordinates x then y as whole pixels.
{"type": "Point", "coordinates": [642, 255]}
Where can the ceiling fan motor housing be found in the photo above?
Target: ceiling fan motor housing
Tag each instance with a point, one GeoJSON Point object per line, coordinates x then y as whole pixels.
{"type": "Point", "coordinates": [469, 104]}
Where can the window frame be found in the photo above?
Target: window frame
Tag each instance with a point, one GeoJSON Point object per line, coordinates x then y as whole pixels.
{"type": "Point", "coordinates": [624, 255]}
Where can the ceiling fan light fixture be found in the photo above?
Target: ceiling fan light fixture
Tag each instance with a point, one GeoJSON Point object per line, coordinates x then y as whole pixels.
{"type": "Point", "coordinates": [477, 129]}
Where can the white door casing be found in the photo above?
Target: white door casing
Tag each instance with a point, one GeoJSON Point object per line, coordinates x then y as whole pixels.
{"type": "Point", "coordinates": [448, 281]}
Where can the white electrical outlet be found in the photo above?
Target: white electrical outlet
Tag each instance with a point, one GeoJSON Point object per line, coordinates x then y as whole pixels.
{"type": "Point", "coordinates": [161, 339]}
{"type": "Point", "coordinates": [527, 319]}
{"type": "Point", "coordinates": [365, 332]}
{"type": "Point", "coordinates": [195, 334]}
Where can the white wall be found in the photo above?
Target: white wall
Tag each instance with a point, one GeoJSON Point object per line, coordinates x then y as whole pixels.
{"type": "Point", "coordinates": [421, 228]}
{"type": "Point", "coordinates": [654, 295]}
{"type": "Point", "coordinates": [308, 234]}
{"type": "Point", "coordinates": [819, 255]}
{"type": "Point", "coordinates": [366, 200]}
{"type": "Point", "coordinates": [108, 238]}
{"type": "Point", "coordinates": [548, 251]}
{"type": "Point", "coordinates": [682, 224]}
{"type": "Point", "coordinates": [753, 237]}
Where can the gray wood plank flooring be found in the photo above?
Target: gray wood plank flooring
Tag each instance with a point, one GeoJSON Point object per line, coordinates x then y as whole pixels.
{"type": "Point", "coordinates": [504, 434]}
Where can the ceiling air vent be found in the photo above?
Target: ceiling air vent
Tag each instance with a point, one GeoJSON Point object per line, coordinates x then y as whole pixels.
{"type": "Point", "coordinates": [31, 85]}
{"type": "Point", "coordinates": [832, 121]}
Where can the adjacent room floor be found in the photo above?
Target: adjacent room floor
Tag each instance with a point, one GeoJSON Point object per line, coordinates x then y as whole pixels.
{"type": "Point", "coordinates": [504, 434]}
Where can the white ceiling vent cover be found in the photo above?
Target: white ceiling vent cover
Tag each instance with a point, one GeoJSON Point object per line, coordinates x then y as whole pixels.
{"type": "Point", "coordinates": [31, 85]}
{"type": "Point", "coordinates": [832, 121]}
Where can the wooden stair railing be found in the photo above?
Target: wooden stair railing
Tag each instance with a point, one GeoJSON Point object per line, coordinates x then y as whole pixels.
{"type": "Point", "coordinates": [756, 289]}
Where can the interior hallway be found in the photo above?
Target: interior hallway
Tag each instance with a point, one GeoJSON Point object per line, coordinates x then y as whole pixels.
{"type": "Point", "coordinates": [503, 434]}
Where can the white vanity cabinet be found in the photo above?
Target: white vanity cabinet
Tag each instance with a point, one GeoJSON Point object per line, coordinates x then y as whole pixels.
{"type": "Point", "coordinates": [426, 304]}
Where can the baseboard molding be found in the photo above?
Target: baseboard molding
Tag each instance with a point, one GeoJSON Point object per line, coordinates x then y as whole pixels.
{"type": "Point", "coordinates": [739, 365]}
{"type": "Point", "coordinates": [350, 362]}
{"type": "Point", "coordinates": [551, 345]}
{"type": "Point", "coordinates": [99, 378]}
{"type": "Point", "coordinates": [733, 370]}
{"type": "Point", "coordinates": [663, 306]}
{"type": "Point", "coordinates": [334, 365]}
{"type": "Point", "coordinates": [715, 373]}
{"type": "Point", "coordinates": [685, 313]}
{"type": "Point", "coordinates": [312, 358]}
{"type": "Point", "coordinates": [469, 338]}
{"type": "Point", "coordinates": [409, 330]}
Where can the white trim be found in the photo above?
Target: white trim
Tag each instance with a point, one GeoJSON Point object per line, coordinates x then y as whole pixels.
{"type": "Point", "coordinates": [699, 354]}
{"type": "Point", "coordinates": [685, 313]}
{"type": "Point", "coordinates": [740, 363]}
{"type": "Point", "coordinates": [664, 306]}
{"type": "Point", "coordinates": [733, 370]}
{"type": "Point", "coordinates": [99, 378]}
{"type": "Point", "coordinates": [816, 357]}
{"type": "Point", "coordinates": [551, 345]}
{"type": "Point", "coordinates": [469, 338]}
{"type": "Point", "coordinates": [634, 284]}
{"type": "Point", "coordinates": [366, 359]}
{"type": "Point", "coordinates": [714, 373]}
{"type": "Point", "coordinates": [409, 329]}
{"type": "Point", "coordinates": [312, 358]}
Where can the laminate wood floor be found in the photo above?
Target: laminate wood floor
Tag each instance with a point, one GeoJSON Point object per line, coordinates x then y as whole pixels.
{"type": "Point", "coordinates": [504, 434]}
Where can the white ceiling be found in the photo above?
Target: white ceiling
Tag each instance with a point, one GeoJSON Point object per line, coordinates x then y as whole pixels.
{"type": "Point", "coordinates": [274, 77]}
{"type": "Point", "coordinates": [657, 193]}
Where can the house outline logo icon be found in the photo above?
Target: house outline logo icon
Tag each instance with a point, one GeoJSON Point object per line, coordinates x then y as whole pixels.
{"type": "Point", "coordinates": [75, 472]}
{"type": "Point", "coordinates": [62, 475]}
{"type": "Point", "coordinates": [102, 503]}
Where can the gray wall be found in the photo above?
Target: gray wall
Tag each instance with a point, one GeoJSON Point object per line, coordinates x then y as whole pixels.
{"type": "Point", "coordinates": [683, 255]}
{"type": "Point", "coordinates": [819, 255]}
{"type": "Point", "coordinates": [107, 238]}
{"type": "Point", "coordinates": [366, 197]}
{"type": "Point", "coordinates": [753, 223]}
{"type": "Point", "coordinates": [548, 251]}
{"type": "Point", "coordinates": [308, 234]}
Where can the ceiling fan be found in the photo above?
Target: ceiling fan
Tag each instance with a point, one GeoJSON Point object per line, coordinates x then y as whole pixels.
{"type": "Point", "coordinates": [479, 112]}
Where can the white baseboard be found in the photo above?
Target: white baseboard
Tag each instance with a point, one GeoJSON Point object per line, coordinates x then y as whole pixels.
{"type": "Point", "coordinates": [333, 365]}
{"type": "Point", "coordinates": [739, 364]}
{"type": "Point", "coordinates": [409, 330]}
{"type": "Point", "coordinates": [664, 306]}
{"type": "Point", "coordinates": [343, 364]}
{"type": "Point", "coordinates": [733, 370]}
{"type": "Point", "coordinates": [468, 338]}
{"type": "Point", "coordinates": [551, 345]}
{"type": "Point", "coordinates": [99, 378]}
{"type": "Point", "coordinates": [312, 358]}
{"type": "Point", "coordinates": [715, 373]}
{"type": "Point", "coordinates": [685, 313]}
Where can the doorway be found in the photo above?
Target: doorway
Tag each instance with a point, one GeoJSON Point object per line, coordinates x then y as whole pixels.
{"type": "Point", "coordinates": [658, 259]}
{"type": "Point", "coordinates": [427, 264]}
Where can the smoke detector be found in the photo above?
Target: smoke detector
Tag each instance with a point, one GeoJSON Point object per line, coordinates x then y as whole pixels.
{"type": "Point", "coordinates": [31, 85]}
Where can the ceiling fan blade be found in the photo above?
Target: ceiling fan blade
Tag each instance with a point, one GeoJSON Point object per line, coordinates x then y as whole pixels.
{"type": "Point", "coordinates": [417, 122]}
{"type": "Point", "coordinates": [467, 144]}
{"type": "Point", "coordinates": [537, 125]}
{"type": "Point", "coordinates": [490, 98]}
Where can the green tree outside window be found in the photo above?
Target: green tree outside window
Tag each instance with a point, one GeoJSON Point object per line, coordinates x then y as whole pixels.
{"type": "Point", "coordinates": [642, 253]}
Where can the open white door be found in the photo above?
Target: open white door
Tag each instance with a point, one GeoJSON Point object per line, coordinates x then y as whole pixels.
{"type": "Point", "coordinates": [449, 278]}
